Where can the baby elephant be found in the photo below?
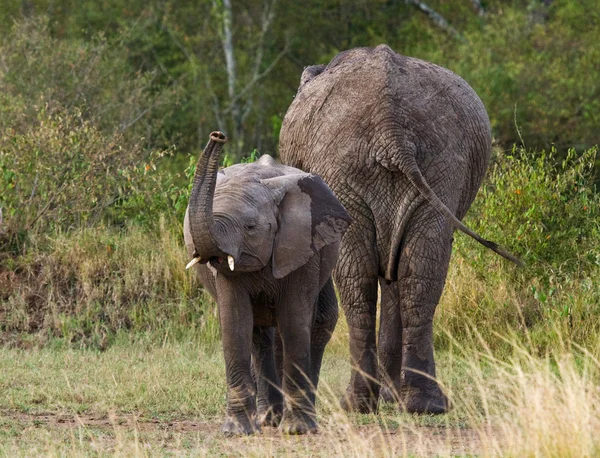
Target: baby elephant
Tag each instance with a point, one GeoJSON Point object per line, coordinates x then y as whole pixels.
{"type": "Point", "coordinates": [264, 238]}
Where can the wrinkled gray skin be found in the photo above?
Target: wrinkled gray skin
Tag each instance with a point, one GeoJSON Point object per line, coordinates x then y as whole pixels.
{"type": "Point", "coordinates": [282, 227]}
{"type": "Point", "coordinates": [404, 144]}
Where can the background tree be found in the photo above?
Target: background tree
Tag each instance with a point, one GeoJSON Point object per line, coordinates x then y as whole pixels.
{"type": "Point", "coordinates": [235, 65]}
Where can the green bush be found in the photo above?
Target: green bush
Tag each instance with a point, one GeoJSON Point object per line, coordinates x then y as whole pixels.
{"type": "Point", "coordinates": [75, 138]}
{"type": "Point", "coordinates": [535, 68]}
{"type": "Point", "coordinates": [94, 77]}
{"type": "Point", "coordinates": [546, 211]}
{"type": "Point", "coordinates": [58, 172]}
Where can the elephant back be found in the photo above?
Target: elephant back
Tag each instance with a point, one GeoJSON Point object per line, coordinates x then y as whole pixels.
{"type": "Point", "coordinates": [368, 98]}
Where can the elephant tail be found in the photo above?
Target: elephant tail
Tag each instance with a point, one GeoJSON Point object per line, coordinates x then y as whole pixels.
{"type": "Point", "coordinates": [414, 175]}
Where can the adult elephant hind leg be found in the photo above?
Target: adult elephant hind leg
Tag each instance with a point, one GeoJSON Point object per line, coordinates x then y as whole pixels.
{"type": "Point", "coordinates": [423, 266]}
{"type": "Point", "coordinates": [356, 278]}
{"type": "Point", "coordinates": [389, 345]}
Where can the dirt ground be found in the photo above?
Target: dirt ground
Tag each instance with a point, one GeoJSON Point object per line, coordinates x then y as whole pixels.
{"type": "Point", "coordinates": [109, 433]}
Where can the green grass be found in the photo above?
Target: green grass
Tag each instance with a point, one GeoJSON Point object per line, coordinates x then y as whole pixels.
{"type": "Point", "coordinates": [174, 380]}
{"type": "Point", "coordinates": [158, 385]}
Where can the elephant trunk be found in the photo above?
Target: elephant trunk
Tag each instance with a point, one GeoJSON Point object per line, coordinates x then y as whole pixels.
{"type": "Point", "coordinates": [201, 199]}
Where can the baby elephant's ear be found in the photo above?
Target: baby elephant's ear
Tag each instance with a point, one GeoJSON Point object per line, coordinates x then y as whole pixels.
{"type": "Point", "coordinates": [310, 217]}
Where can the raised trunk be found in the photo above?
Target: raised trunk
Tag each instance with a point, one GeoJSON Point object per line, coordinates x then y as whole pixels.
{"type": "Point", "coordinates": [201, 198]}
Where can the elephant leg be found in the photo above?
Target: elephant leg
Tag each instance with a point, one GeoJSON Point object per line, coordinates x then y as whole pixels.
{"type": "Point", "coordinates": [269, 400]}
{"type": "Point", "coordinates": [235, 315]}
{"type": "Point", "coordinates": [423, 266]}
{"type": "Point", "coordinates": [389, 345]}
{"type": "Point", "coordinates": [295, 317]}
{"type": "Point", "coordinates": [325, 321]}
{"type": "Point", "coordinates": [356, 277]}
{"type": "Point", "coordinates": [278, 354]}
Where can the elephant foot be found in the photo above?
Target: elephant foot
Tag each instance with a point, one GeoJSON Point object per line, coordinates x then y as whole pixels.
{"type": "Point", "coordinates": [415, 400]}
{"type": "Point", "coordinates": [387, 394]}
{"type": "Point", "coordinates": [361, 403]}
{"type": "Point", "coordinates": [298, 424]}
{"type": "Point", "coordinates": [271, 417]}
{"type": "Point", "coordinates": [242, 426]}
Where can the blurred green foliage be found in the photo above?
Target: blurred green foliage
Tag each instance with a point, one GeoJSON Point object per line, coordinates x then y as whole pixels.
{"type": "Point", "coordinates": [159, 66]}
{"type": "Point", "coordinates": [548, 208]}
{"type": "Point", "coordinates": [59, 173]}
{"type": "Point", "coordinates": [546, 211]}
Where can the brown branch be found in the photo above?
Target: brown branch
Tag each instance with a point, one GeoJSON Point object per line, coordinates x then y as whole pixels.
{"type": "Point", "coordinates": [43, 211]}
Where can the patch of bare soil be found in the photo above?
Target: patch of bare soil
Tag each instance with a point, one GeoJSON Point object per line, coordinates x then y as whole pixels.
{"type": "Point", "coordinates": [169, 434]}
{"type": "Point", "coordinates": [133, 422]}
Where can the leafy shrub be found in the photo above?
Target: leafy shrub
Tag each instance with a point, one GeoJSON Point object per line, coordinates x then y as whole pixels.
{"type": "Point", "coordinates": [59, 172]}
{"type": "Point", "coordinates": [74, 144]}
{"type": "Point", "coordinates": [537, 67]}
{"type": "Point", "coordinates": [546, 211]}
{"type": "Point", "coordinates": [544, 208]}
{"type": "Point", "coordinates": [94, 77]}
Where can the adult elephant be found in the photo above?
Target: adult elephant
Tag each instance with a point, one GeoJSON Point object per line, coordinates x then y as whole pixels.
{"type": "Point", "coordinates": [404, 144]}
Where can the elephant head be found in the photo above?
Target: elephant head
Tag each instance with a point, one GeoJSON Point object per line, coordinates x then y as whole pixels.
{"type": "Point", "coordinates": [255, 214]}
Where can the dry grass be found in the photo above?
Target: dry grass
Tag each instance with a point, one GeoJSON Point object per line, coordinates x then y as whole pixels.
{"type": "Point", "coordinates": [86, 286]}
{"type": "Point", "coordinates": [530, 406]}
{"type": "Point", "coordinates": [502, 301]}
{"type": "Point", "coordinates": [156, 385]}
{"type": "Point", "coordinates": [145, 399]}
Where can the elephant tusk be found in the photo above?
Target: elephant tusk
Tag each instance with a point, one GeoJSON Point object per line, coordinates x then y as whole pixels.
{"type": "Point", "coordinates": [193, 262]}
{"type": "Point", "coordinates": [231, 262]}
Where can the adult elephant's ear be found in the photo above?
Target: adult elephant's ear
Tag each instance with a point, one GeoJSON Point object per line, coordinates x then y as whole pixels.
{"type": "Point", "coordinates": [310, 217]}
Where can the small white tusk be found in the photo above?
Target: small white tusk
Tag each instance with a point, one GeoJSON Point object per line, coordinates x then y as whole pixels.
{"type": "Point", "coordinates": [193, 262]}
{"type": "Point", "coordinates": [231, 262]}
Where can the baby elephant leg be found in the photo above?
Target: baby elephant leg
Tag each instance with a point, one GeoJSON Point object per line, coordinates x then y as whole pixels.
{"type": "Point", "coordinates": [295, 317]}
{"type": "Point", "coordinates": [269, 400]}
{"type": "Point", "coordinates": [235, 315]}
{"type": "Point", "coordinates": [325, 321]}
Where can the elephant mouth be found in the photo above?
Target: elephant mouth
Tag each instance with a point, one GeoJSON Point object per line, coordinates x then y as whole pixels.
{"type": "Point", "coordinates": [250, 262]}
{"type": "Point", "coordinates": [245, 263]}
{"type": "Point", "coordinates": [216, 261]}
{"type": "Point", "coordinates": [213, 262]}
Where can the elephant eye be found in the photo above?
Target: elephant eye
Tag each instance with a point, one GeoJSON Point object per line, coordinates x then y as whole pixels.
{"type": "Point", "coordinates": [249, 227]}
